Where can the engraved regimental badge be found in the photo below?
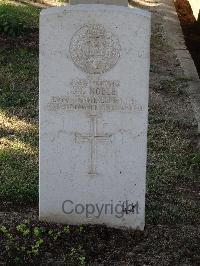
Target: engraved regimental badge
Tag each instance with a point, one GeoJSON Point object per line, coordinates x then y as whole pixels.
{"type": "Point", "coordinates": [94, 50]}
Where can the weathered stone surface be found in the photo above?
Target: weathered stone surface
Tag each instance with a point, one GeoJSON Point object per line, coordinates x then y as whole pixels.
{"type": "Point", "coordinates": [94, 78]}
{"type": "Point", "coordinates": [106, 2]}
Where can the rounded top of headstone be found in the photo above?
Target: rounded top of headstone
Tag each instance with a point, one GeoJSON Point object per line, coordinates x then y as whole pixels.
{"type": "Point", "coordinates": [94, 50]}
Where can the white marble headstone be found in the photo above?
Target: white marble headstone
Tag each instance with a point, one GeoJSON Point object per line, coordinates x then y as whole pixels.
{"type": "Point", "coordinates": [94, 80]}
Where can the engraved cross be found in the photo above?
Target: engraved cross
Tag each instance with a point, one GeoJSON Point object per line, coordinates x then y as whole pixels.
{"type": "Point", "coordinates": [93, 137]}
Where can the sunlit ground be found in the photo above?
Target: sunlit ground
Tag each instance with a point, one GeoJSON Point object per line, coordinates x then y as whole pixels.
{"type": "Point", "coordinates": [35, 3]}
{"type": "Point", "coordinates": [144, 4]}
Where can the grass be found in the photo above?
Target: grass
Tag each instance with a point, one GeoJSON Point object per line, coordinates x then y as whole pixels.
{"type": "Point", "coordinates": [172, 176]}
{"type": "Point", "coordinates": [17, 19]}
{"type": "Point", "coordinates": [173, 173]}
{"type": "Point", "coordinates": [18, 106]}
{"type": "Point", "coordinates": [173, 157]}
{"type": "Point", "coordinates": [18, 159]}
{"type": "Point", "coordinates": [19, 81]}
{"type": "Point", "coordinates": [174, 86]}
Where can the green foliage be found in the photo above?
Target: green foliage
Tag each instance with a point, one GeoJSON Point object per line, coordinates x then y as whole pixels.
{"type": "Point", "coordinates": [16, 20]}
{"type": "Point", "coordinates": [76, 257]}
{"type": "Point", "coordinates": [21, 245]}
{"type": "Point", "coordinates": [22, 228]}
{"type": "Point", "coordinates": [81, 228]}
{"type": "Point", "coordinates": [67, 229]}
{"type": "Point", "coordinates": [25, 243]}
{"type": "Point", "coordinates": [55, 234]}
{"type": "Point", "coordinates": [37, 232]}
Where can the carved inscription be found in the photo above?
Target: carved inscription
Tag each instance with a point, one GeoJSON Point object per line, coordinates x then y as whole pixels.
{"type": "Point", "coordinates": [99, 96]}
{"type": "Point", "coordinates": [92, 138]}
{"type": "Point", "coordinates": [95, 51]}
